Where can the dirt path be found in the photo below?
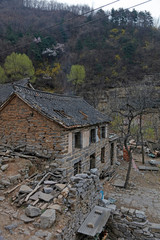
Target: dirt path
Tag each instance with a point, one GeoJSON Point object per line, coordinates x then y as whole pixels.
{"type": "Point", "coordinates": [143, 192]}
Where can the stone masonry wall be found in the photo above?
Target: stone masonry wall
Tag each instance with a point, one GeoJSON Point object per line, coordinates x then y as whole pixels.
{"type": "Point", "coordinates": [83, 155]}
{"type": "Point", "coordinates": [21, 125]}
{"type": "Point", "coordinates": [131, 224]}
{"type": "Point", "coordinates": [84, 194]}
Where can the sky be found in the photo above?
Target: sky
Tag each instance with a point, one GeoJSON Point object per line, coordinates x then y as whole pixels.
{"type": "Point", "coordinates": [153, 6]}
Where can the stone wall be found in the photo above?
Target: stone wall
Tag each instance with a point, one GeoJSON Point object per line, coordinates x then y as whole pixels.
{"type": "Point", "coordinates": [21, 125]}
{"type": "Point", "coordinates": [128, 223]}
{"type": "Point", "coordinates": [83, 155]}
{"type": "Point", "coordinates": [84, 194]}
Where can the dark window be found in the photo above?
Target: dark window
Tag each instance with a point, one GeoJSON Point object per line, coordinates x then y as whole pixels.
{"type": "Point", "coordinates": [77, 168]}
{"type": "Point", "coordinates": [77, 139]}
{"type": "Point", "coordinates": [112, 153]}
{"type": "Point", "coordinates": [103, 132]}
{"type": "Point", "coordinates": [92, 161]}
{"type": "Point", "coordinates": [103, 155]}
{"type": "Point", "coordinates": [93, 135]}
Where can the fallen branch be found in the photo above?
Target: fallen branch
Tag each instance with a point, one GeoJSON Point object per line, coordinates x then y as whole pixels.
{"type": "Point", "coordinates": [38, 186]}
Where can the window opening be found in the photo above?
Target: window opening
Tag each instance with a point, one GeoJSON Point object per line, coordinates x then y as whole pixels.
{"type": "Point", "coordinates": [92, 161]}
{"type": "Point", "coordinates": [77, 168]}
{"type": "Point", "coordinates": [103, 132]}
{"type": "Point", "coordinates": [93, 135]}
{"type": "Point", "coordinates": [77, 140]}
{"type": "Point", "coordinates": [103, 155]}
{"type": "Point", "coordinates": [112, 153]}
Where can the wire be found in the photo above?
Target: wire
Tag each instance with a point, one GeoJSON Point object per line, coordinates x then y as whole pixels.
{"type": "Point", "coordinates": [53, 26]}
{"type": "Point", "coordinates": [103, 17]}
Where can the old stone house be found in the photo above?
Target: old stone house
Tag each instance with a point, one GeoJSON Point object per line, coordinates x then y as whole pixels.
{"type": "Point", "coordinates": [65, 129]}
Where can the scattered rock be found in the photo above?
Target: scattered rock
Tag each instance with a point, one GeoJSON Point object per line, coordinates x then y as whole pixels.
{"type": "Point", "coordinates": [2, 198]}
{"type": "Point", "coordinates": [6, 183]}
{"type": "Point", "coordinates": [60, 186]}
{"type": "Point", "coordinates": [25, 189]}
{"type": "Point", "coordinates": [11, 227]}
{"type": "Point", "coordinates": [56, 207]}
{"type": "Point", "coordinates": [4, 167]}
{"type": "Point", "coordinates": [15, 178]}
{"type": "Point", "coordinates": [26, 219]}
{"type": "Point", "coordinates": [48, 218]}
{"type": "Point", "coordinates": [48, 190]}
{"type": "Point", "coordinates": [31, 211]}
{"type": "Point", "coordinates": [35, 196]}
{"type": "Point", "coordinates": [34, 238]}
{"type": "Point", "coordinates": [47, 182]}
{"type": "Point", "coordinates": [42, 233]}
{"type": "Point", "coordinates": [45, 197]}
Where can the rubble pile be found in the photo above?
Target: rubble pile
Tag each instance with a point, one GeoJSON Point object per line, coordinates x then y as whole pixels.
{"type": "Point", "coordinates": [45, 200]}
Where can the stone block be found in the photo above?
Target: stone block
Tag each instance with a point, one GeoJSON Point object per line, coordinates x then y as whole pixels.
{"type": "Point", "coordinates": [45, 197]}
{"type": "Point", "coordinates": [26, 219]}
{"type": "Point", "coordinates": [31, 211]}
{"type": "Point", "coordinates": [155, 228]}
{"type": "Point", "coordinates": [60, 186]}
{"type": "Point", "coordinates": [48, 190]}
{"type": "Point", "coordinates": [124, 210]}
{"type": "Point", "coordinates": [56, 207]}
{"type": "Point", "coordinates": [25, 189]}
{"type": "Point", "coordinates": [140, 214]}
{"type": "Point", "coordinates": [15, 178]}
{"type": "Point", "coordinates": [4, 167]}
{"type": "Point", "coordinates": [48, 218]}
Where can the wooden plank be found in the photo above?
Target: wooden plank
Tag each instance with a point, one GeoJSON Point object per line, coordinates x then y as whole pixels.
{"type": "Point", "coordinates": [147, 168]}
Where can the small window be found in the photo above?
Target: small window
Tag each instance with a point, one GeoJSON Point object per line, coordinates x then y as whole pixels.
{"type": "Point", "coordinates": [103, 132]}
{"type": "Point", "coordinates": [77, 168]}
{"type": "Point", "coordinates": [93, 135]}
{"type": "Point", "coordinates": [92, 161]}
{"type": "Point", "coordinates": [103, 155]}
{"type": "Point", "coordinates": [77, 139]}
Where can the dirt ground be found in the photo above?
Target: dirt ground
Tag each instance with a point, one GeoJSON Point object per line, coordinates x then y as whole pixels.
{"type": "Point", "coordinates": [143, 191]}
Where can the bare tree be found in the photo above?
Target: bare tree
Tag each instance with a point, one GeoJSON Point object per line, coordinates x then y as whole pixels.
{"type": "Point", "coordinates": [137, 102]}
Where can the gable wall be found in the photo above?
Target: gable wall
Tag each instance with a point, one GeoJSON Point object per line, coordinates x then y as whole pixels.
{"type": "Point", "coordinates": [20, 124]}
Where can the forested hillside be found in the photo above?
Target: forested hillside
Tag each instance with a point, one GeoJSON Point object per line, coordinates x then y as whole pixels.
{"type": "Point", "coordinates": [73, 51]}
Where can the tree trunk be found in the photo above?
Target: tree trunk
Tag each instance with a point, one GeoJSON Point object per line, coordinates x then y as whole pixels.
{"type": "Point", "coordinates": [128, 151]}
{"type": "Point", "coordinates": [129, 164]}
{"type": "Point", "coordinates": [141, 134]}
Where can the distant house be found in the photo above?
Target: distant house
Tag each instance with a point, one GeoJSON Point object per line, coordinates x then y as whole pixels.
{"type": "Point", "coordinates": [65, 129]}
{"type": "Point", "coordinates": [7, 88]}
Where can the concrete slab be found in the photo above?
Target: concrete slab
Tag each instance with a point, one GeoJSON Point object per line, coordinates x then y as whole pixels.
{"type": "Point", "coordinates": [148, 168]}
{"type": "Point", "coordinates": [119, 183]}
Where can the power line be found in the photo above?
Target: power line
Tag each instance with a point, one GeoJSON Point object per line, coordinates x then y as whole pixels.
{"type": "Point", "coordinates": [58, 24]}
{"type": "Point", "coordinates": [70, 19]}
{"type": "Point", "coordinates": [103, 17]}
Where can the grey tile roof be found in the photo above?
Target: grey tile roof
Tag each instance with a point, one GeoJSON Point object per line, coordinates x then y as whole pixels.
{"type": "Point", "coordinates": [7, 89]}
{"type": "Point", "coordinates": [69, 111]}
